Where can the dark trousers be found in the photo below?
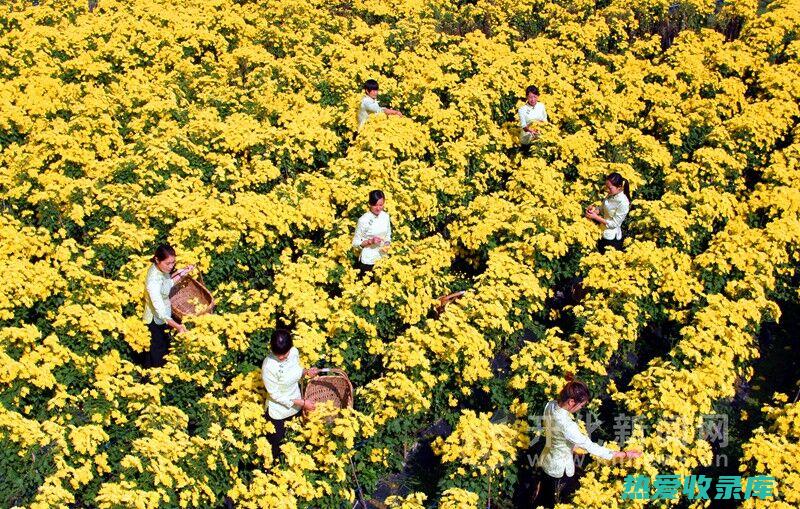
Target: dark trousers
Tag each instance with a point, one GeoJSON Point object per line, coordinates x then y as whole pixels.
{"type": "Point", "coordinates": [159, 346]}
{"type": "Point", "coordinates": [276, 438]}
{"type": "Point", "coordinates": [604, 244]}
{"type": "Point", "coordinates": [363, 268]}
{"type": "Point", "coordinates": [554, 490]}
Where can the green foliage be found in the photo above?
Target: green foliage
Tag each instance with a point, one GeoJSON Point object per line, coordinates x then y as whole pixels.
{"type": "Point", "coordinates": [22, 472]}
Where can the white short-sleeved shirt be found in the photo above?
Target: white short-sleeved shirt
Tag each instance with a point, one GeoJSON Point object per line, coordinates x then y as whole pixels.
{"type": "Point", "coordinates": [157, 307]}
{"type": "Point", "coordinates": [282, 381]}
{"type": "Point", "coordinates": [528, 114]}
{"type": "Point", "coordinates": [369, 225]}
{"type": "Point", "coordinates": [367, 107]}
{"type": "Point", "coordinates": [561, 435]}
{"type": "Point", "coordinates": [614, 210]}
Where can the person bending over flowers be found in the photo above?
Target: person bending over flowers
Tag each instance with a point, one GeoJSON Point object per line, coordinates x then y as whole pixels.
{"type": "Point", "coordinates": [373, 232]}
{"type": "Point", "coordinates": [161, 277]}
{"type": "Point", "coordinates": [562, 436]}
{"type": "Point", "coordinates": [612, 212]}
{"type": "Point", "coordinates": [281, 373]}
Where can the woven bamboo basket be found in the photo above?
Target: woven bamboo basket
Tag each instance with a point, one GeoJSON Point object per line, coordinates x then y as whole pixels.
{"type": "Point", "coordinates": [332, 384]}
{"type": "Point", "coordinates": [445, 300]}
{"type": "Point", "coordinates": [190, 297]}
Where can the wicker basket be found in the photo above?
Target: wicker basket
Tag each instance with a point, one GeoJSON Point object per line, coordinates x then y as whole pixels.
{"type": "Point", "coordinates": [332, 386]}
{"type": "Point", "coordinates": [447, 299]}
{"type": "Point", "coordinates": [190, 297]}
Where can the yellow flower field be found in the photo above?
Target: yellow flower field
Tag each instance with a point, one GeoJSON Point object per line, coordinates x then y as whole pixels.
{"type": "Point", "coordinates": [225, 127]}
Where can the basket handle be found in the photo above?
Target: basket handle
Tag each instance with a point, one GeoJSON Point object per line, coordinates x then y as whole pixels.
{"type": "Point", "coordinates": [334, 371]}
{"type": "Point", "coordinates": [447, 299]}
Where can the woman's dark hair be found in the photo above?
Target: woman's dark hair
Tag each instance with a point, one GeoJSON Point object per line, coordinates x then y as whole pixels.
{"type": "Point", "coordinates": [281, 342]}
{"type": "Point", "coordinates": [574, 390]}
{"type": "Point", "coordinates": [531, 88]}
{"type": "Point", "coordinates": [370, 85]}
{"type": "Point", "coordinates": [163, 251]}
{"type": "Point", "coordinates": [618, 180]}
{"type": "Point", "coordinates": [376, 195]}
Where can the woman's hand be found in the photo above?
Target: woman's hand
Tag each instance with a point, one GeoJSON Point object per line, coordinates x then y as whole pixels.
{"type": "Point", "coordinates": [182, 273]}
{"type": "Point", "coordinates": [177, 326]}
{"type": "Point", "coordinates": [305, 404]}
{"type": "Point", "coordinates": [311, 372]}
{"type": "Point", "coordinates": [591, 213]}
{"type": "Point", "coordinates": [531, 128]}
{"type": "Point", "coordinates": [629, 454]}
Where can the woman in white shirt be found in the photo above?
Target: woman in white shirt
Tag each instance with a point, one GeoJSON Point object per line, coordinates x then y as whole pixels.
{"type": "Point", "coordinates": [373, 232]}
{"type": "Point", "coordinates": [531, 114]}
{"type": "Point", "coordinates": [612, 212]}
{"type": "Point", "coordinates": [281, 373]}
{"type": "Point", "coordinates": [562, 436]}
{"type": "Point", "coordinates": [369, 103]}
{"type": "Point", "coordinates": [161, 277]}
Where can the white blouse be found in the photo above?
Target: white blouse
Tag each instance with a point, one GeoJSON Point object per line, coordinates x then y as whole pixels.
{"type": "Point", "coordinates": [369, 225]}
{"type": "Point", "coordinates": [528, 114]}
{"type": "Point", "coordinates": [368, 105]}
{"type": "Point", "coordinates": [562, 434]}
{"type": "Point", "coordinates": [282, 381]}
{"type": "Point", "coordinates": [614, 210]}
{"type": "Point", "coordinates": [156, 303]}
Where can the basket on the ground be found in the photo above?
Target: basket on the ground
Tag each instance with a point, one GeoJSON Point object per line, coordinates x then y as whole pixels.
{"type": "Point", "coordinates": [331, 384]}
{"type": "Point", "coordinates": [190, 297]}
